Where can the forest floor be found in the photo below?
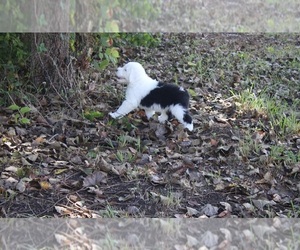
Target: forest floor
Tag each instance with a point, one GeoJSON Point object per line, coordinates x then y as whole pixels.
{"type": "Point", "coordinates": [241, 160]}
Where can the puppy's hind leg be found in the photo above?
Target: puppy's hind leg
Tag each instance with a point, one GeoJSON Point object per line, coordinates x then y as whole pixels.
{"type": "Point", "coordinates": [188, 121]}
{"type": "Point", "coordinates": [183, 116]}
{"type": "Point", "coordinates": [163, 117]}
{"type": "Point", "coordinates": [149, 113]}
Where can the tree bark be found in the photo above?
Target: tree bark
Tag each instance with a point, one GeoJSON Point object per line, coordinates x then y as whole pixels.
{"type": "Point", "coordinates": [50, 59]}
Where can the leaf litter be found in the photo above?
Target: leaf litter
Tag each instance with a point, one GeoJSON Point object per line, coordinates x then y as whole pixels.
{"type": "Point", "coordinates": [232, 165]}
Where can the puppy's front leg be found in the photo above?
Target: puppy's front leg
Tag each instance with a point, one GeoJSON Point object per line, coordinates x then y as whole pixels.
{"type": "Point", "coordinates": [124, 109]}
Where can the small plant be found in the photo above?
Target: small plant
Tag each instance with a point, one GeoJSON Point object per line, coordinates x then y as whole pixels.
{"type": "Point", "coordinates": [20, 114]}
{"type": "Point", "coordinates": [138, 145]}
{"type": "Point", "coordinates": [287, 124]}
{"type": "Point", "coordinates": [139, 39]}
{"type": "Point", "coordinates": [110, 143]}
{"type": "Point", "coordinates": [198, 66]}
{"type": "Point", "coordinates": [92, 154]}
{"type": "Point", "coordinates": [107, 56]}
{"type": "Point", "coordinates": [107, 53]}
{"type": "Point", "coordinates": [279, 154]}
{"type": "Point", "coordinates": [109, 212]}
{"type": "Point", "coordinates": [123, 140]}
{"type": "Point", "coordinates": [92, 115]}
{"type": "Point", "coordinates": [294, 212]}
{"type": "Point", "coordinates": [171, 200]}
{"type": "Point", "coordinates": [249, 147]}
{"type": "Point", "coordinates": [123, 157]}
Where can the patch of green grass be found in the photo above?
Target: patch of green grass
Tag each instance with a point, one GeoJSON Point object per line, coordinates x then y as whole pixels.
{"type": "Point", "coordinates": [124, 156]}
{"type": "Point", "coordinates": [170, 200]}
{"type": "Point", "coordinates": [249, 147]}
{"type": "Point", "coordinates": [126, 147]}
{"type": "Point", "coordinates": [124, 141]}
{"type": "Point", "coordinates": [279, 155]}
{"type": "Point", "coordinates": [109, 212]}
{"type": "Point", "coordinates": [283, 118]}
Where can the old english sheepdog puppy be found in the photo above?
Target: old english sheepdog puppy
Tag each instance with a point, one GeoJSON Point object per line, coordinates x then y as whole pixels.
{"type": "Point", "coordinates": [152, 96]}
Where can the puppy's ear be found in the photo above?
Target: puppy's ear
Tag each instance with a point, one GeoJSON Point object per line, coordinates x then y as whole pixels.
{"type": "Point", "coordinates": [131, 76]}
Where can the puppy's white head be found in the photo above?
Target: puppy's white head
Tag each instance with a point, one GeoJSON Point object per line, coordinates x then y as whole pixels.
{"type": "Point", "coordinates": [131, 72]}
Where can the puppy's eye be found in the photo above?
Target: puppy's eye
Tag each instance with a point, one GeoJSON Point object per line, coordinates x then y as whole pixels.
{"type": "Point", "coordinates": [125, 69]}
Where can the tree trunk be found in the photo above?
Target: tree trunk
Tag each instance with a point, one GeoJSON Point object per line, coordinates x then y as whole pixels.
{"type": "Point", "coordinates": [50, 62]}
{"type": "Point", "coordinates": [50, 59]}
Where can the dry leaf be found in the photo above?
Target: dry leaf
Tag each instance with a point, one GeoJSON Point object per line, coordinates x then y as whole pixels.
{"type": "Point", "coordinates": [21, 131]}
{"type": "Point", "coordinates": [227, 206]}
{"type": "Point", "coordinates": [35, 184]}
{"type": "Point", "coordinates": [221, 119]}
{"type": "Point", "coordinates": [226, 233]}
{"type": "Point", "coordinates": [62, 210]}
{"type": "Point", "coordinates": [62, 240]}
{"type": "Point", "coordinates": [21, 186]}
{"type": "Point", "coordinates": [209, 239]}
{"type": "Point", "coordinates": [268, 179]}
{"type": "Point", "coordinates": [261, 230]}
{"type": "Point", "coordinates": [25, 162]}
{"type": "Point", "coordinates": [76, 160]}
{"type": "Point", "coordinates": [95, 179]}
{"type": "Point", "coordinates": [160, 132]}
{"type": "Point", "coordinates": [11, 132]}
{"type": "Point", "coordinates": [59, 171]}
{"type": "Point", "coordinates": [191, 241]}
{"type": "Point", "coordinates": [104, 166]}
{"type": "Point", "coordinates": [133, 210]}
{"type": "Point", "coordinates": [214, 142]}
{"type": "Point", "coordinates": [261, 203]}
{"type": "Point", "coordinates": [45, 185]}
{"type": "Point", "coordinates": [296, 169]}
{"type": "Point", "coordinates": [156, 179]}
{"type": "Point", "coordinates": [12, 169]}
{"type": "Point", "coordinates": [32, 157]}
{"type": "Point", "coordinates": [224, 214]}
{"type": "Point", "coordinates": [39, 140]}
{"type": "Point", "coordinates": [209, 210]}
{"type": "Point", "coordinates": [192, 212]}
{"type": "Point", "coordinates": [73, 198]}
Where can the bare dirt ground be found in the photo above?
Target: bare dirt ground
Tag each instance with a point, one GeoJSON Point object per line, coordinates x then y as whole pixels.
{"type": "Point", "coordinates": [236, 163]}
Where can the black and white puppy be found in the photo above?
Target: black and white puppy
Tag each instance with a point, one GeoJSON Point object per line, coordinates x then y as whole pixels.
{"type": "Point", "coordinates": [152, 96]}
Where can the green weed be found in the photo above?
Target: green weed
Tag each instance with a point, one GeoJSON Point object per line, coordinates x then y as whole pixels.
{"type": "Point", "coordinates": [249, 147]}
{"type": "Point", "coordinates": [91, 115]}
{"type": "Point", "coordinates": [170, 200]}
{"type": "Point", "coordinates": [19, 116]}
{"type": "Point", "coordinates": [124, 156]}
{"type": "Point", "coordinates": [279, 155]}
{"type": "Point", "coordinates": [109, 212]}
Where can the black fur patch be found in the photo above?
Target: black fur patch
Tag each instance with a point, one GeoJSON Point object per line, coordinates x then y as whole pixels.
{"type": "Point", "coordinates": [166, 95]}
{"type": "Point", "coordinates": [187, 118]}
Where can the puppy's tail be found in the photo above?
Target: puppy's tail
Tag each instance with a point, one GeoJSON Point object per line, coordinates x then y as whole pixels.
{"type": "Point", "coordinates": [188, 121]}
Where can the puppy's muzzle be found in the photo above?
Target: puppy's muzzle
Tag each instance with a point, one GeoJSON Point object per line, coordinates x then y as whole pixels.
{"type": "Point", "coordinates": [119, 73]}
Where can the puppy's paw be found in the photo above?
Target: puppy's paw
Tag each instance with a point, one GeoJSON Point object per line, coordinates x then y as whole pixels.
{"type": "Point", "coordinates": [149, 113]}
{"type": "Point", "coordinates": [162, 118]}
{"type": "Point", "coordinates": [189, 126]}
{"type": "Point", "coordinates": [114, 115]}
{"type": "Point", "coordinates": [122, 80]}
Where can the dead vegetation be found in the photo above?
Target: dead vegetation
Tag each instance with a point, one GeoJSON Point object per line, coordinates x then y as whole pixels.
{"type": "Point", "coordinates": [242, 159]}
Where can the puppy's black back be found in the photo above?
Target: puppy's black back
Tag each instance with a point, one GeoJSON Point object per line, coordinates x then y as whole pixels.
{"type": "Point", "coordinates": [166, 95]}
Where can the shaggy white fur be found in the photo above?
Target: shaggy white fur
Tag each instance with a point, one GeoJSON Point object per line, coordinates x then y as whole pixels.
{"type": "Point", "coordinates": [152, 96]}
